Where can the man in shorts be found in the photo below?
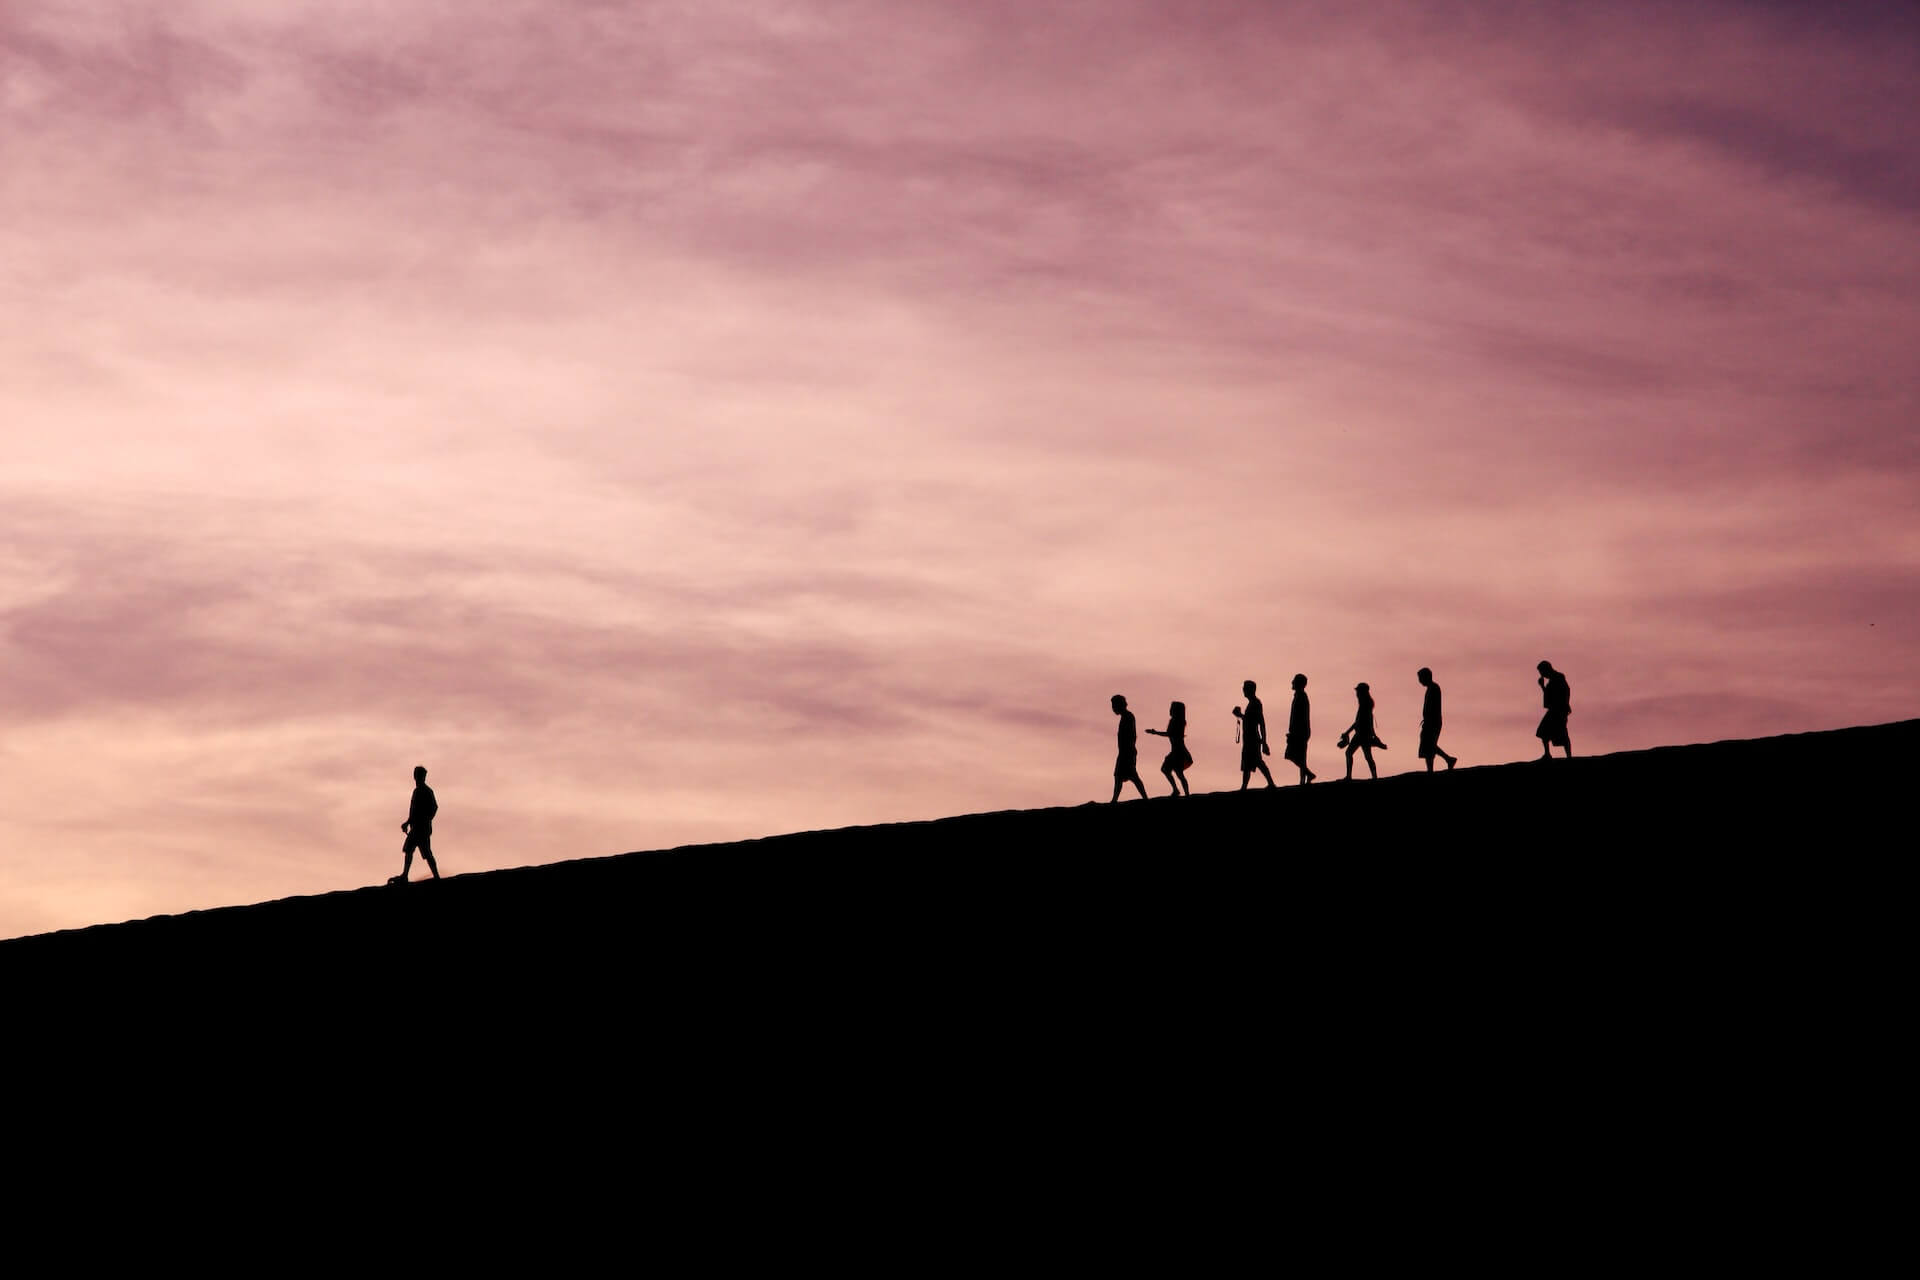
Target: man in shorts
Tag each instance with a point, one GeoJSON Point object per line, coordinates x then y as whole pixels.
{"type": "Point", "coordinates": [419, 826]}
{"type": "Point", "coordinates": [1430, 722]}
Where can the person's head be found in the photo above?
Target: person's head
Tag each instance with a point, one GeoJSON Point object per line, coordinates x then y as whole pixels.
{"type": "Point", "coordinates": [1177, 711]}
{"type": "Point", "coordinates": [1119, 704]}
{"type": "Point", "coordinates": [1247, 687]}
{"type": "Point", "coordinates": [1545, 668]}
{"type": "Point", "coordinates": [1299, 682]}
{"type": "Point", "coordinates": [1424, 675]}
{"type": "Point", "coordinates": [419, 773]}
{"type": "Point", "coordinates": [1362, 692]}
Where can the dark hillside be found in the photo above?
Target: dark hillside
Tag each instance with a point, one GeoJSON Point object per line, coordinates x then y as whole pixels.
{"type": "Point", "coordinates": [1520, 1001]}
{"type": "Point", "coordinates": [1538, 876]}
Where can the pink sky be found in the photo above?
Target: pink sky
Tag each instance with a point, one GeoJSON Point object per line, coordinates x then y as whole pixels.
{"type": "Point", "coordinates": [680, 422]}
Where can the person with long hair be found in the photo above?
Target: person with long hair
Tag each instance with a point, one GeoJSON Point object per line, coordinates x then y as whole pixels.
{"type": "Point", "coordinates": [1179, 759]}
{"type": "Point", "coordinates": [1360, 735]}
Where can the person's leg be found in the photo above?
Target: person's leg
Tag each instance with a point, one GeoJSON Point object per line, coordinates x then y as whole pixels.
{"type": "Point", "coordinates": [1429, 764]}
{"type": "Point", "coordinates": [1166, 771]}
{"type": "Point", "coordinates": [1546, 749]}
{"type": "Point", "coordinates": [1266, 773]}
{"type": "Point", "coordinates": [1566, 746]}
{"type": "Point", "coordinates": [1246, 776]}
{"type": "Point", "coordinates": [426, 852]}
{"type": "Point", "coordinates": [1350, 751]}
{"type": "Point", "coordinates": [1451, 760]}
{"type": "Point", "coordinates": [1367, 751]}
{"type": "Point", "coordinates": [1139, 786]}
{"type": "Point", "coordinates": [1117, 780]}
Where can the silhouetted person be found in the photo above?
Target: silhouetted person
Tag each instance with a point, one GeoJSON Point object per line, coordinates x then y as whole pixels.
{"type": "Point", "coordinates": [1558, 700]}
{"type": "Point", "coordinates": [1178, 759]}
{"type": "Point", "coordinates": [1253, 738]}
{"type": "Point", "coordinates": [1360, 735]}
{"type": "Point", "coordinates": [419, 826]}
{"type": "Point", "coordinates": [1299, 729]}
{"type": "Point", "coordinates": [1430, 722]}
{"type": "Point", "coordinates": [1126, 766]}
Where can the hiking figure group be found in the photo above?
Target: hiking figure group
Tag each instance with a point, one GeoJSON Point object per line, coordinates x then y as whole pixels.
{"type": "Point", "coordinates": [1361, 737]}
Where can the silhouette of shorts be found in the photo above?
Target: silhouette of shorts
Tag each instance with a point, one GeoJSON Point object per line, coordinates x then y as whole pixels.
{"type": "Point", "coordinates": [1178, 760]}
{"type": "Point", "coordinates": [1127, 764]}
{"type": "Point", "coordinates": [1297, 750]}
{"type": "Point", "coordinates": [1553, 729]}
{"type": "Point", "coordinates": [1429, 742]}
{"type": "Point", "coordinates": [417, 839]}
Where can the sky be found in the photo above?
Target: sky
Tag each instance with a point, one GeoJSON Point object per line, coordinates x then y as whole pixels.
{"type": "Point", "coordinates": [674, 423]}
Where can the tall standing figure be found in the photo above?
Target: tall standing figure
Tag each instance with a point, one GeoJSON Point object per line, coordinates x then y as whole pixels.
{"type": "Point", "coordinates": [1126, 765]}
{"type": "Point", "coordinates": [1558, 700]}
{"type": "Point", "coordinates": [1253, 738]}
{"type": "Point", "coordinates": [419, 826]}
{"type": "Point", "coordinates": [1300, 728]}
{"type": "Point", "coordinates": [1179, 759]}
{"type": "Point", "coordinates": [1430, 722]}
{"type": "Point", "coordinates": [1360, 735]}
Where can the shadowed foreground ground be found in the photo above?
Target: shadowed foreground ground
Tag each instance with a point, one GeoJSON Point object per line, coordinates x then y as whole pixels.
{"type": "Point", "coordinates": [1488, 988]}
{"type": "Point", "coordinates": [1534, 887]}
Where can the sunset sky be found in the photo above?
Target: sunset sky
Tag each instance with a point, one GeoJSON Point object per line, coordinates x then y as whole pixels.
{"type": "Point", "coordinates": [682, 422]}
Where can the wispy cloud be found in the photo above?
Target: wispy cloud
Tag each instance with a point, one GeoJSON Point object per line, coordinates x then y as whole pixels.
{"type": "Point", "coordinates": [688, 421]}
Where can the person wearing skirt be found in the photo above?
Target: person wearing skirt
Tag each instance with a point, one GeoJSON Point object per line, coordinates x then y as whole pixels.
{"type": "Point", "coordinates": [1178, 759]}
{"type": "Point", "coordinates": [1557, 697]}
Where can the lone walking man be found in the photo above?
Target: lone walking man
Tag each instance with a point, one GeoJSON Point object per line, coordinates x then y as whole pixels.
{"type": "Point", "coordinates": [1558, 700]}
{"type": "Point", "coordinates": [1430, 722]}
{"type": "Point", "coordinates": [419, 826]}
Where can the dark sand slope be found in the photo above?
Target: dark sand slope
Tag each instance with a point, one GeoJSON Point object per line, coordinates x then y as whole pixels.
{"type": "Point", "coordinates": [1596, 864]}
{"type": "Point", "coordinates": [1533, 1010]}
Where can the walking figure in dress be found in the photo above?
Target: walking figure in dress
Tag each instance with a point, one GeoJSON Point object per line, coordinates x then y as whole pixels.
{"type": "Point", "coordinates": [1558, 700]}
{"type": "Point", "coordinates": [1178, 760]}
{"type": "Point", "coordinates": [1299, 729]}
{"type": "Point", "coordinates": [1126, 765]}
{"type": "Point", "coordinates": [1253, 738]}
{"type": "Point", "coordinates": [1360, 735]}
{"type": "Point", "coordinates": [1430, 722]}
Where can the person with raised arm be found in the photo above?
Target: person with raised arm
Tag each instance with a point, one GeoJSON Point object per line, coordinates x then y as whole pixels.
{"type": "Point", "coordinates": [1178, 760]}
{"type": "Point", "coordinates": [1557, 697]}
